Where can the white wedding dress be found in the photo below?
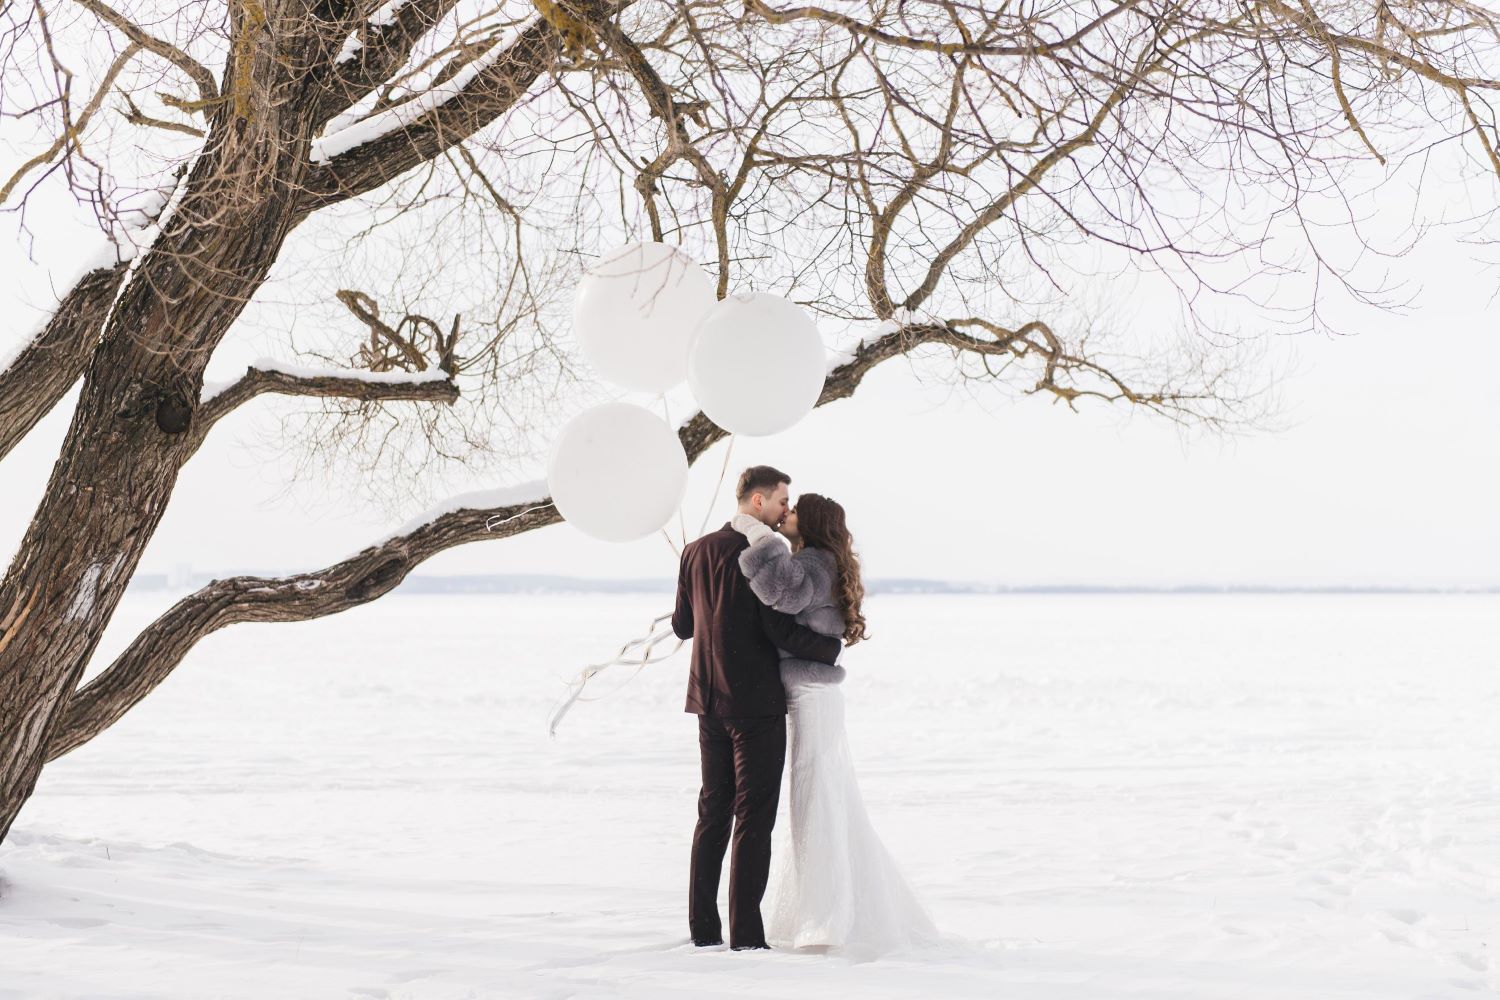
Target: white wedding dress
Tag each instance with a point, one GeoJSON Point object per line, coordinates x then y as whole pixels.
{"type": "Point", "coordinates": [833, 885]}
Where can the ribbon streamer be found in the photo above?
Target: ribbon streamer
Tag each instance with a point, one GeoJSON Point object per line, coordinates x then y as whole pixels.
{"type": "Point", "coordinates": [495, 521]}
{"type": "Point", "coordinates": [660, 631]}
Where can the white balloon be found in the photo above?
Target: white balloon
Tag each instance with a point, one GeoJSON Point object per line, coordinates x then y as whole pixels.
{"type": "Point", "coordinates": [617, 472]}
{"type": "Point", "coordinates": [635, 311]}
{"type": "Point", "coordinates": [757, 364]}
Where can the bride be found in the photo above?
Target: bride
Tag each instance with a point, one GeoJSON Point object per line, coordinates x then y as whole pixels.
{"type": "Point", "coordinates": [837, 886]}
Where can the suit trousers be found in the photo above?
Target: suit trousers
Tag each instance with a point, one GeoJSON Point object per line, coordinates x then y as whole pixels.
{"type": "Point", "coordinates": [742, 764]}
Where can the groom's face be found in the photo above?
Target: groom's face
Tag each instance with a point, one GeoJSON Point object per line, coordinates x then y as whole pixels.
{"type": "Point", "coordinates": [774, 506]}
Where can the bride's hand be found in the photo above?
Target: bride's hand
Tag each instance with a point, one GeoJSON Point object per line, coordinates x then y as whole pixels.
{"type": "Point", "coordinates": [750, 527]}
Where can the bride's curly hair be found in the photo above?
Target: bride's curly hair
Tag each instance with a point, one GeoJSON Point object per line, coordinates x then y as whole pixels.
{"type": "Point", "coordinates": [820, 522]}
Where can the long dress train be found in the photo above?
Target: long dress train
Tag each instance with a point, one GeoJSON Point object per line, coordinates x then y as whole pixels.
{"type": "Point", "coordinates": [834, 884]}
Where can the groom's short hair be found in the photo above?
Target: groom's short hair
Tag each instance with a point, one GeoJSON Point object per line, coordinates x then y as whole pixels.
{"type": "Point", "coordinates": [759, 479]}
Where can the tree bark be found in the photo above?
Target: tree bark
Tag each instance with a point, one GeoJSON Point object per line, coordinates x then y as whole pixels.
{"type": "Point", "coordinates": [130, 434]}
{"type": "Point", "coordinates": [49, 366]}
{"type": "Point", "coordinates": [134, 426]}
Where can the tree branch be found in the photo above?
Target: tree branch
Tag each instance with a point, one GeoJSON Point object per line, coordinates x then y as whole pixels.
{"type": "Point", "coordinates": [659, 98]}
{"type": "Point", "coordinates": [1155, 57]}
{"type": "Point", "coordinates": [1031, 47]}
{"type": "Point", "coordinates": [135, 116]}
{"type": "Point", "coordinates": [48, 367]}
{"type": "Point", "coordinates": [1316, 28]}
{"type": "Point", "coordinates": [436, 386]}
{"type": "Point", "coordinates": [72, 131]}
{"type": "Point", "coordinates": [375, 571]}
{"type": "Point", "coordinates": [370, 574]}
{"type": "Point", "coordinates": [383, 50]}
{"type": "Point", "coordinates": [492, 92]}
{"type": "Point", "coordinates": [379, 569]}
{"type": "Point", "coordinates": [208, 91]}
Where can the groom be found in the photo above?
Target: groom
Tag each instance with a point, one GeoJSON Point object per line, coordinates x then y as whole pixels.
{"type": "Point", "coordinates": [734, 688]}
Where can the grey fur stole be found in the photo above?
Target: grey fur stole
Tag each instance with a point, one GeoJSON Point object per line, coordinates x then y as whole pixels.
{"type": "Point", "coordinates": [800, 585]}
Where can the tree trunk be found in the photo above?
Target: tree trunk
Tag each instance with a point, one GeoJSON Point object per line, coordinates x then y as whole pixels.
{"type": "Point", "coordinates": [133, 428]}
{"type": "Point", "coordinates": [131, 433]}
{"type": "Point", "coordinates": [105, 498]}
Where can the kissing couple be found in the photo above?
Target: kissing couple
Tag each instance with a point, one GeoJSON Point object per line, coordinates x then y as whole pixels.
{"type": "Point", "coordinates": [767, 600]}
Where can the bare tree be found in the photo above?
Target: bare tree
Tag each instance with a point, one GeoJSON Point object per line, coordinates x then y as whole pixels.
{"type": "Point", "coordinates": [948, 177]}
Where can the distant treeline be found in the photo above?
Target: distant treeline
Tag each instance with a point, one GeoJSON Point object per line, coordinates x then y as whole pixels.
{"type": "Point", "coordinates": [543, 584]}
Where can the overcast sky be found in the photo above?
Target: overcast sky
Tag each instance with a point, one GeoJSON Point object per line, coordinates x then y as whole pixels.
{"type": "Point", "coordinates": [1384, 472]}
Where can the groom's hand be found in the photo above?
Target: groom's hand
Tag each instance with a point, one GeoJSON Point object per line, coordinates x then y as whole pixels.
{"type": "Point", "coordinates": [752, 528]}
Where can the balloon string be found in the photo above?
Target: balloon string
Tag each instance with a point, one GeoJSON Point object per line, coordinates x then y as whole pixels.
{"type": "Point", "coordinates": [646, 644]}
{"type": "Point", "coordinates": [728, 450]}
{"type": "Point", "coordinates": [671, 544]}
{"type": "Point", "coordinates": [666, 413]}
{"type": "Point", "coordinates": [655, 635]}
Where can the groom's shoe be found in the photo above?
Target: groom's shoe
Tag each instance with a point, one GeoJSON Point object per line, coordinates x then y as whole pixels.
{"type": "Point", "coordinates": [705, 942]}
{"type": "Point", "coordinates": [762, 946]}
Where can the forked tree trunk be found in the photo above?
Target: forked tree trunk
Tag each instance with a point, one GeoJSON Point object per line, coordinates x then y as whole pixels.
{"type": "Point", "coordinates": [131, 432]}
{"type": "Point", "coordinates": [134, 426]}
{"type": "Point", "coordinates": [104, 501]}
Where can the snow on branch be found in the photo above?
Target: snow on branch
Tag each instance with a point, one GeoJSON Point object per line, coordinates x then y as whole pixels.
{"type": "Point", "coordinates": [269, 375]}
{"type": "Point", "coordinates": [101, 257]}
{"type": "Point", "coordinates": [384, 123]}
{"type": "Point", "coordinates": [44, 365]}
{"type": "Point", "coordinates": [384, 17]}
{"type": "Point", "coordinates": [370, 153]}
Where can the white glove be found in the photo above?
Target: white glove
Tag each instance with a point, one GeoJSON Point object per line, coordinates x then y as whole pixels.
{"type": "Point", "coordinates": [752, 528]}
{"type": "Point", "coordinates": [838, 661]}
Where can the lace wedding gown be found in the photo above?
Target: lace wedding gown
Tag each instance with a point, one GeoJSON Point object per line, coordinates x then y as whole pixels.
{"type": "Point", "coordinates": [833, 884]}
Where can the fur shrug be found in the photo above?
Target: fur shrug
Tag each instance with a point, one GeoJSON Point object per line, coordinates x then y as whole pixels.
{"type": "Point", "coordinates": [801, 585]}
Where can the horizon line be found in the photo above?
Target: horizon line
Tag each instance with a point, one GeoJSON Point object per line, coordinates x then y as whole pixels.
{"type": "Point", "coordinates": [418, 583]}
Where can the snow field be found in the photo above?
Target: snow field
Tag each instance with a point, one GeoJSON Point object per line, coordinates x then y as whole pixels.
{"type": "Point", "coordinates": [1097, 797]}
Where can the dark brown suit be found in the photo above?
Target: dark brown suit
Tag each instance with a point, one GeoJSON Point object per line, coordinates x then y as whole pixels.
{"type": "Point", "coordinates": [735, 689]}
{"type": "Point", "coordinates": [735, 669]}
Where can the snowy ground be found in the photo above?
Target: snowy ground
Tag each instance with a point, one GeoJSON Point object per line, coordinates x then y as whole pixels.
{"type": "Point", "coordinates": [1098, 797]}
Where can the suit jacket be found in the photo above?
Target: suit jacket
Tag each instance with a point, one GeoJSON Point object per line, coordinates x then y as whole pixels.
{"type": "Point", "coordinates": [735, 668]}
